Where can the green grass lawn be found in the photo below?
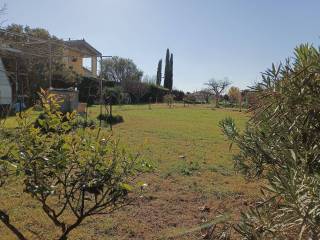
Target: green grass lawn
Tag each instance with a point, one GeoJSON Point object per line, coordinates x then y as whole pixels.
{"type": "Point", "coordinates": [193, 168]}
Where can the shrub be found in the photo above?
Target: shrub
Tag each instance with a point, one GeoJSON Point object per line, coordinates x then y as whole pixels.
{"type": "Point", "coordinates": [88, 90]}
{"type": "Point", "coordinates": [69, 173]}
{"type": "Point", "coordinates": [178, 95]}
{"type": "Point", "coordinates": [113, 95]}
{"type": "Point", "coordinates": [110, 119]}
{"type": "Point", "coordinates": [190, 99]}
{"type": "Point", "coordinates": [37, 107]}
{"type": "Point", "coordinates": [188, 168]}
{"type": "Point", "coordinates": [83, 123]}
{"type": "Point", "coordinates": [281, 145]}
{"type": "Point", "coordinates": [52, 119]}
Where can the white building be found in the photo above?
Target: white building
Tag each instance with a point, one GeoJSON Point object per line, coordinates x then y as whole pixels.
{"type": "Point", "coordinates": [5, 87]}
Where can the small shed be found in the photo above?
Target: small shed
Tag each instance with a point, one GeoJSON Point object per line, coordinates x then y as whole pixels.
{"type": "Point", "coordinates": [69, 97]}
{"type": "Point", "coordinates": [5, 86]}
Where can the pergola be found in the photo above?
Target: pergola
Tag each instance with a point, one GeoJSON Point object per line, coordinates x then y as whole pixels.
{"type": "Point", "coordinates": [21, 49]}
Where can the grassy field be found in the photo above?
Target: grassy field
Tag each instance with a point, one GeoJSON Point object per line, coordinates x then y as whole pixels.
{"type": "Point", "coordinates": [193, 169]}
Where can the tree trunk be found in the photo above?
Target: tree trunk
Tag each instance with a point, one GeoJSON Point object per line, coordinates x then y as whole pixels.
{"type": "Point", "coordinates": [217, 101]}
{"type": "Point", "coordinates": [65, 234]}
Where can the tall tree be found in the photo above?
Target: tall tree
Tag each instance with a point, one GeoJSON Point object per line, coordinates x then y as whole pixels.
{"type": "Point", "coordinates": [159, 72]}
{"type": "Point", "coordinates": [121, 70]}
{"type": "Point", "coordinates": [171, 72]}
{"type": "Point", "coordinates": [126, 73]}
{"type": "Point", "coordinates": [166, 83]}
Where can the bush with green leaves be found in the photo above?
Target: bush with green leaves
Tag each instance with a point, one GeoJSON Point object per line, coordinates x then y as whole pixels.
{"type": "Point", "coordinates": [187, 168]}
{"type": "Point", "coordinates": [84, 123]}
{"type": "Point", "coordinates": [110, 119]}
{"type": "Point", "coordinates": [113, 95]}
{"type": "Point", "coordinates": [72, 174]}
{"type": "Point", "coordinates": [190, 99]}
{"type": "Point", "coordinates": [281, 145]}
{"type": "Point", "coordinates": [51, 119]}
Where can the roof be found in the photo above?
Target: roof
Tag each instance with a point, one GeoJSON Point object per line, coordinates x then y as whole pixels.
{"type": "Point", "coordinates": [83, 46]}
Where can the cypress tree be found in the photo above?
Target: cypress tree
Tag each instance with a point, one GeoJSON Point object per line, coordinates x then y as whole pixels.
{"type": "Point", "coordinates": [159, 72]}
{"type": "Point", "coordinates": [166, 83]}
{"type": "Point", "coordinates": [171, 73]}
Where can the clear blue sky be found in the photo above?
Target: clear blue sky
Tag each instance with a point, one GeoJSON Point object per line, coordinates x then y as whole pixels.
{"type": "Point", "coordinates": [227, 38]}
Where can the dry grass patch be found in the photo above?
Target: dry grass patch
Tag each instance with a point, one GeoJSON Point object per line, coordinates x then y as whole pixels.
{"type": "Point", "coordinates": [193, 168]}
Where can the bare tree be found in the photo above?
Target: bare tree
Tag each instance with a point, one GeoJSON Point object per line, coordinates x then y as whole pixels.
{"type": "Point", "coordinates": [217, 87]}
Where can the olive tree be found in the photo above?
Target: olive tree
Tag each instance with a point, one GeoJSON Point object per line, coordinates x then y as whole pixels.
{"type": "Point", "coordinates": [281, 145]}
{"type": "Point", "coordinates": [120, 70]}
{"type": "Point", "coordinates": [69, 172]}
